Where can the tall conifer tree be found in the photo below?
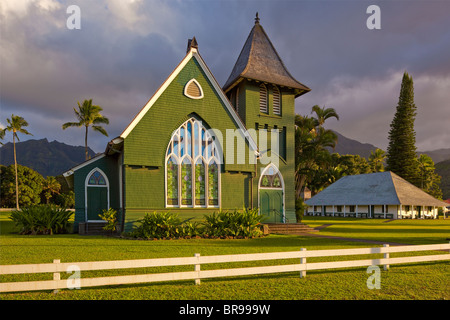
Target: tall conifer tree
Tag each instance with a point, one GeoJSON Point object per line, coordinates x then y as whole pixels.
{"type": "Point", "coordinates": [401, 152]}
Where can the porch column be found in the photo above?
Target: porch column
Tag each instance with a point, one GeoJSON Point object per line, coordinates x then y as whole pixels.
{"type": "Point", "coordinates": [333, 210]}
{"type": "Point", "coordinates": [344, 210]}
{"type": "Point", "coordinates": [356, 213]}
{"type": "Point", "coordinates": [401, 216]}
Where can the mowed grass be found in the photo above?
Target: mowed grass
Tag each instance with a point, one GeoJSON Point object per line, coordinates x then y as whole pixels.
{"type": "Point", "coordinates": [407, 231]}
{"type": "Point", "coordinates": [429, 281]}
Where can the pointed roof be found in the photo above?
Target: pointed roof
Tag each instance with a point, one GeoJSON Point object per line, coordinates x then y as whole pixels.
{"type": "Point", "coordinates": [260, 61]}
{"type": "Point", "coordinates": [192, 53]}
{"type": "Point", "coordinates": [373, 189]}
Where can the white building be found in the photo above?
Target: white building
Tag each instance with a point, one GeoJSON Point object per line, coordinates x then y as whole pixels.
{"type": "Point", "coordinates": [374, 195]}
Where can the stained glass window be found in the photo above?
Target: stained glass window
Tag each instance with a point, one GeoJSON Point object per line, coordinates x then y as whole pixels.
{"type": "Point", "coordinates": [213, 183]}
{"type": "Point", "coordinates": [97, 179]}
{"type": "Point", "coordinates": [195, 177]}
{"type": "Point", "coordinates": [271, 178]}
{"type": "Point", "coordinates": [172, 181]}
{"type": "Point", "coordinates": [200, 179]}
{"type": "Point", "coordinates": [186, 182]}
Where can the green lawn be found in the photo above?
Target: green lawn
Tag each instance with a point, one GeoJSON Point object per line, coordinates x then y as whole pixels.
{"type": "Point", "coordinates": [418, 281]}
{"type": "Point", "coordinates": [407, 231]}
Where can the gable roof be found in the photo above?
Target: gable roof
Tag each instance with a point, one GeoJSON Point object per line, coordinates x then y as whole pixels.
{"type": "Point", "coordinates": [373, 189]}
{"type": "Point", "coordinates": [260, 61]}
{"type": "Point", "coordinates": [192, 53]}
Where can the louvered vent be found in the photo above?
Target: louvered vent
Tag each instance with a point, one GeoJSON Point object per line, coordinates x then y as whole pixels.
{"type": "Point", "coordinates": [263, 98]}
{"type": "Point", "coordinates": [276, 101]}
{"type": "Point", "coordinates": [193, 90]}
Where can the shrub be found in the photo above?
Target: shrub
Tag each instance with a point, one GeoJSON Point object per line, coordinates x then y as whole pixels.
{"type": "Point", "coordinates": [237, 224]}
{"type": "Point", "coordinates": [191, 229]}
{"type": "Point", "coordinates": [158, 225]}
{"type": "Point", "coordinates": [41, 219]}
{"type": "Point", "coordinates": [110, 216]}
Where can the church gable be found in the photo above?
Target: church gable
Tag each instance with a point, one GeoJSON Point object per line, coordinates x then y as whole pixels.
{"type": "Point", "coordinates": [191, 90]}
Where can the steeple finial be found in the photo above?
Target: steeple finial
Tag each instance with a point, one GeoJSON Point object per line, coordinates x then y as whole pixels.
{"type": "Point", "coordinates": [192, 43]}
{"type": "Point", "coordinates": [257, 18]}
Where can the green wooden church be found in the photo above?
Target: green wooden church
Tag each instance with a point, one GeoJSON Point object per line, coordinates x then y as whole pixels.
{"type": "Point", "coordinates": [197, 148]}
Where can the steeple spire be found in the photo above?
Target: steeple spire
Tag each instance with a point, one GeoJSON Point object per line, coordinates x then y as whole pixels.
{"type": "Point", "coordinates": [257, 18]}
{"type": "Point", "coordinates": [260, 61]}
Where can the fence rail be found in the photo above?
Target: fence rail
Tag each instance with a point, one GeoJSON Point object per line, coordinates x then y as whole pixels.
{"type": "Point", "coordinates": [197, 260]}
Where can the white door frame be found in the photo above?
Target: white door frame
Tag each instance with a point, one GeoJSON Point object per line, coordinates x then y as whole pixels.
{"type": "Point", "coordinates": [86, 186]}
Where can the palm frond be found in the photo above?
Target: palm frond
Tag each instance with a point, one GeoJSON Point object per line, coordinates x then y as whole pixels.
{"type": "Point", "coordinates": [100, 129]}
{"type": "Point", "coordinates": [71, 124]}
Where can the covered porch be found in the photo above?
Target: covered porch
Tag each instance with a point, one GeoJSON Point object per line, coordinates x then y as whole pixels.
{"type": "Point", "coordinates": [385, 211]}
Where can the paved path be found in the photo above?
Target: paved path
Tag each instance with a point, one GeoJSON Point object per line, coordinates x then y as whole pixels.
{"type": "Point", "coordinates": [323, 226]}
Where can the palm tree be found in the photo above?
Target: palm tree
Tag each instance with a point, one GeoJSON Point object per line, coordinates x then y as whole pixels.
{"type": "Point", "coordinates": [2, 135]}
{"type": "Point", "coordinates": [426, 166]}
{"type": "Point", "coordinates": [50, 187]}
{"type": "Point", "coordinates": [323, 114]}
{"type": "Point", "coordinates": [376, 160]}
{"type": "Point", "coordinates": [88, 115]}
{"type": "Point", "coordinates": [16, 124]}
{"type": "Point", "coordinates": [311, 143]}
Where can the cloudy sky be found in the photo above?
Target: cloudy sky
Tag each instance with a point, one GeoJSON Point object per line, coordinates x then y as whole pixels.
{"type": "Point", "coordinates": [125, 49]}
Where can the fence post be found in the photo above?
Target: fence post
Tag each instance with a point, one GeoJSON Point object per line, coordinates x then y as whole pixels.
{"type": "Point", "coordinates": [303, 262]}
{"type": "Point", "coordinates": [56, 275]}
{"type": "Point", "coordinates": [386, 256]}
{"type": "Point", "coordinates": [197, 268]}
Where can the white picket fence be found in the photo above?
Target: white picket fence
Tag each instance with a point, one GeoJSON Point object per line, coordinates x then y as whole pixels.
{"type": "Point", "coordinates": [197, 260]}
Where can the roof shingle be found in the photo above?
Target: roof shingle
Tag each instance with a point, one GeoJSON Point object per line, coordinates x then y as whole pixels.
{"type": "Point", "coordinates": [260, 61]}
{"type": "Point", "coordinates": [373, 189]}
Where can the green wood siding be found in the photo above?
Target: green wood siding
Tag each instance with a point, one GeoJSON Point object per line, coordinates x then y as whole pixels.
{"type": "Point", "coordinates": [110, 166]}
{"type": "Point", "coordinates": [254, 119]}
{"type": "Point", "coordinates": [146, 145]}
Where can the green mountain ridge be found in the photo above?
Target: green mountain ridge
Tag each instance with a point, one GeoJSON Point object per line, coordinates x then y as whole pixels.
{"type": "Point", "coordinates": [47, 158]}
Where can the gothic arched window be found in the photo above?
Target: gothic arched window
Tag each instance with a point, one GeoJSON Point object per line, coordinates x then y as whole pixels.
{"type": "Point", "coordinates": [192, 167]}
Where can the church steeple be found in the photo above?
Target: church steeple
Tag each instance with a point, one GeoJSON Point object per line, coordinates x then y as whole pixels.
{"type": "Point", "coordinates": [260, 61]}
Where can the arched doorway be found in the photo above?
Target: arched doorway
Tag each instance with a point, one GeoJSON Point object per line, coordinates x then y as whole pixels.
{"type": "Point", "coordinates": [271, 195]}
{"type": "Point", "coordinates": [96, 194]}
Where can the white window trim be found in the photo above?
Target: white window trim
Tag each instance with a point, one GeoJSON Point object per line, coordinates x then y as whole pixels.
{"type": "Point", "coordinates": [199, 86]}
{"type": "Point", "coordinates": [87, 185]}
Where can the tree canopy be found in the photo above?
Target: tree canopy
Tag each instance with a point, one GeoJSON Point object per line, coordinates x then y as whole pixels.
{"type": "Point", "coordinates": [88, 115]}
{"type": "Point", "coordinates": [401, 152]}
